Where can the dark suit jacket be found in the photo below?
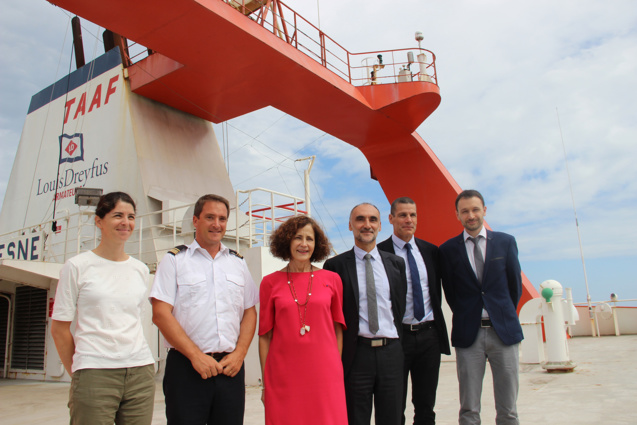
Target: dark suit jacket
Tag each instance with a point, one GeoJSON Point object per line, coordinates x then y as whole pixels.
{"type": "Point", "coordinates": [500, 291]}
{"type": "Point", "coordinates": [429, 253]}
{"type": "Point", "coordinates": [345, 265]}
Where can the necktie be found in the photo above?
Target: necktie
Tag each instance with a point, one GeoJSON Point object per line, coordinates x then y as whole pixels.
{"type": "Point", "coordinates": [372, 306]}
{"type": "Point", "coordinates": [477, 257]}
{"type": "Point", "coordinates": [419, 304]}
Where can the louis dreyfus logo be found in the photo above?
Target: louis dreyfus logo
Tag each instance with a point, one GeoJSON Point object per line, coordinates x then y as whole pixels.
{"type": "Point", "coordinates": [72, 151]}
{"type": "Point", "coordinates": [71, 148]}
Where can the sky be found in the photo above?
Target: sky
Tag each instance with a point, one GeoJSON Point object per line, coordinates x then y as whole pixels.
{"type": "Point", "coordinates": [528, 89]}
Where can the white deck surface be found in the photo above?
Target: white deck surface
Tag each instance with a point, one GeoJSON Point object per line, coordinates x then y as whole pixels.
{"type": "Point", "coordinates": [601, 390]}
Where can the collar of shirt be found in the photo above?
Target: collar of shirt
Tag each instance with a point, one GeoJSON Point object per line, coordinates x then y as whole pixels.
{"type": "Point", "coordinates": [483, 233]}
{"type": "Point", "coordinates": [194, 247]}
{"type": "Point", "coordinates": [401, 243]}
{"type": "Point", "coordinates": [360, 253]}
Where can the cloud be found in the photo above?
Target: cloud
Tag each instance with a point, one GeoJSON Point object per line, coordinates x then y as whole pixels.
{"type": "Point", "coordinates": [505, 69]}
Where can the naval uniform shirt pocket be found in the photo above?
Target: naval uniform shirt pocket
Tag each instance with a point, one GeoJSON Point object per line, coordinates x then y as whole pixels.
{"type": "Point", "coordinates": [236, 288]}
{"type": "Point", "coordinates": [192, 288]}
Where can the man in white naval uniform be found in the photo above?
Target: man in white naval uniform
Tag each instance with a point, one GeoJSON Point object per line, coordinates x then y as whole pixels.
{"type": "Point", "coordinates": [204, 304]}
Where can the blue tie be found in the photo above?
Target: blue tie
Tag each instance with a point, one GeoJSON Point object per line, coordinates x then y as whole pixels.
{"type": "Point", "coordinates": [419, 304]}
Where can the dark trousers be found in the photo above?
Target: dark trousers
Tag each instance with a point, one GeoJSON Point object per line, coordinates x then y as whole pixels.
{"type": "Point", "coordinates": [191, 400]}
{"type": "Point", "coordinates": [375, 377]}
{"type": "Point", "coordinates": [422, 362]}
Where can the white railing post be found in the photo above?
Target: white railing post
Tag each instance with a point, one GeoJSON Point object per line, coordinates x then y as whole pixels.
{"type": "Point", "coordinates": [174, 227]}
{"type": "Point", "coordinates": [250, 219]}
{"type": "Point", "coordinates": [56, 242]}
{"type": "Point", "coordinates": [66, 237]}
{"type": "Point", "coordinates": [266, 243]}
{"type": "Point", "coordinates": [236, 214]}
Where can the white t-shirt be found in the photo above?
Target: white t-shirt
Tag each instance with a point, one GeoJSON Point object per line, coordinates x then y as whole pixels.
{"type": "Point", "coordinates": [208, 295]}
{"type": "Point", "coordinates": [108, 299]}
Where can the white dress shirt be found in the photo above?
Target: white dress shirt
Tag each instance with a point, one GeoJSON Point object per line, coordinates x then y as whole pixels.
{"type": "Point", "coordinates": [386, 326]}
{"type": "Point", "coordinates": [399, 248]}
{"type": "Point", "coordinates": [208, 295]}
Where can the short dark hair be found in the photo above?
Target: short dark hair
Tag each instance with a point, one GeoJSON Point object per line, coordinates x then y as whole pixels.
{"type": "Point", "coordinates": [469, 193]}
{"type": "Point", "coordinates": [210, 198]}
{"type": "Point", "coordinates": [109, 201]}
{"type": "Point", "coordinates": [281, 239]}
{"type": "Point", "coordinates": [401, 200]}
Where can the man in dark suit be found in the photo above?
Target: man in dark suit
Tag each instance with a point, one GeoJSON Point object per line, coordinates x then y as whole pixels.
{"type": "Point", "coordinates": [374, 291]}
{"type": "Point", "coordinates": [424, 329]}
{"type": "Point", "coordinates": [483, 292]}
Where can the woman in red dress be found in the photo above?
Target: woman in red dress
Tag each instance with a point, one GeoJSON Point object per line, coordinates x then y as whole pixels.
{"type": "Point", "coordinates": [301, 331]}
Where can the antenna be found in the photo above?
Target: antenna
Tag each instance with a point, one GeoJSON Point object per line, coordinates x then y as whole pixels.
{"type": "Point", "coordinates": [579, 237]}
{"type": "Point", "coordinates": [419, 37]}
{"type": "Point", "coordinates": [306, 175]}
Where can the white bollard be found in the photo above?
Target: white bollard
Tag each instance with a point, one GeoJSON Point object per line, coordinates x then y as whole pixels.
{"type": "Point", "coordinates": [557, 357]}
{"type": "Point", "coordinates": [532, 346]}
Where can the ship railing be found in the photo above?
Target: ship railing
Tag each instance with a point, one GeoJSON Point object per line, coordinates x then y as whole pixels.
{"type": "Point", "coordinates": [265, 210]}
{"type": "Point", "coordinates": [156, 232]}
{"type": "Point", "coordinates": [393, 66]}
{"type": "Point", "coordinates": [609, 316]}
{"type": "Point", "coordinates": [359, 69]}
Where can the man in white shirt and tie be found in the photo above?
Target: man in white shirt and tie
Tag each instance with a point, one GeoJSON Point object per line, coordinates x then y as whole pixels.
{"type": "Point", "coordinates": [424, 329]}
{"type": "Point", "coordinates": [374, 286]}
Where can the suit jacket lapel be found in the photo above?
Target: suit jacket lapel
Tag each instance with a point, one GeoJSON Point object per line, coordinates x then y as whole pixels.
{"type": "Point", "coordinates": [352, 275]}
{"type": "Point", "coordinates": [389, 269]}
{"type": "Point", "coordinates": [488, 255]}
{"type": "Point", "coordinates": [465, 259]}
{"type": "Point", "coordinates": [428, 261]}
{"type": "Point", "coordinates": [390, 245]}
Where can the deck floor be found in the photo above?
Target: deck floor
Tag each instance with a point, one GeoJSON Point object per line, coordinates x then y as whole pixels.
{"type": "Point", "coordinates": [601, 390]}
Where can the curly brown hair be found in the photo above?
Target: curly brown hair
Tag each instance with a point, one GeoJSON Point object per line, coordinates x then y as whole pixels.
{"type": "Point", "coordinates": [282, 238]}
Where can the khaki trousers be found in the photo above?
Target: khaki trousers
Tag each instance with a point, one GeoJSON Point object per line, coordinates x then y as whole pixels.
{"type": "Point", "coordinates": [123, 396]}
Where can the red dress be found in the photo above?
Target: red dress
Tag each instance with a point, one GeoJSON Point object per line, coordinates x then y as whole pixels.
{"type": "Point", "coordinates": [303, 373]}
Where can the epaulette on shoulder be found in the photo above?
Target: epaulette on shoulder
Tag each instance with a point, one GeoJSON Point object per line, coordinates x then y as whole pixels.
{"type": "Point", "coordinates": [235, 253]}
{"type": "Point", "coordinates": [176, 250]}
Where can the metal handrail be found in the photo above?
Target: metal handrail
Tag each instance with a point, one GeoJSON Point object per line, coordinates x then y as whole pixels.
{"type": "Point", "coordinates": [260, 226]}
{"type": "Point", "coordinates": [295, 31]}
{"type": "Point", "coordinates": [313, 42]}
{"type": "Point", "coordinates": [80, 235]}
{"type": "Point", "coordinates": [155, 232]}
{"type": "Point", "coordinates": [613, 313]}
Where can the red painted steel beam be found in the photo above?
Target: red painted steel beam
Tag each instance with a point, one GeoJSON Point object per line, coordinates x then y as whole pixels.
{"type": "Point", "coordinates": [217, 64]}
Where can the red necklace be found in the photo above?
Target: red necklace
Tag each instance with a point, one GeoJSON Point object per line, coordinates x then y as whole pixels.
{"type": "Point", "coordinates": [304, 328]}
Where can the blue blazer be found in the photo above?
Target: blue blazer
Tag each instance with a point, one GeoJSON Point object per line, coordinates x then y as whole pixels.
{"type": "Point", "coordinates": [345, 265]}
{"type": "Point", "coordinates": [500, 291]}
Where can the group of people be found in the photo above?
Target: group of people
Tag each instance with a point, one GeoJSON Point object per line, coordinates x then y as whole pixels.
{"type": "Point", "coordinates": [334, 343]}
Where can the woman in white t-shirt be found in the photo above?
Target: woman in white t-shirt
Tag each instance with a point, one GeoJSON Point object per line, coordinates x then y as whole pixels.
{"type": "Point", "coordinates": [104, 291]}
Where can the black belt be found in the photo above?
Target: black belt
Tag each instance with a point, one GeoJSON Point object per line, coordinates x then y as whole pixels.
{"type": "Point", "coordinates": [485, 323]}
{"type": "Point", "coordinates": [419, 326]}
{"type": "Point", "coordinates": [216, 356]}
{"type": "Point", "coordinates": [376, 342]}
